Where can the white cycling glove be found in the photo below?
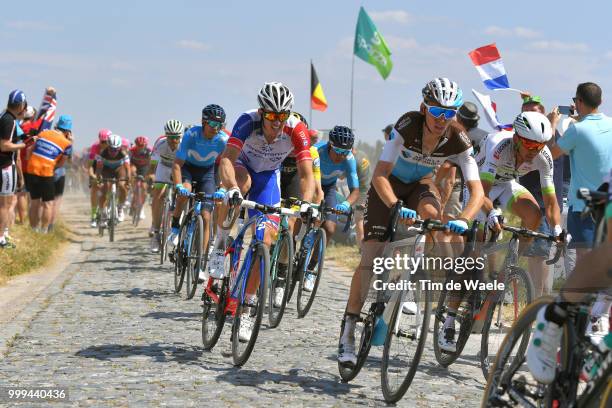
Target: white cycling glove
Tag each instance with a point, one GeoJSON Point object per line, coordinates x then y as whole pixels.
{"type": "Point", "coordinates": [230, 194]}
{"type": "Point", "coordinates": [493, 218]}
{"type": "Point", "coordinates": [304, 210]}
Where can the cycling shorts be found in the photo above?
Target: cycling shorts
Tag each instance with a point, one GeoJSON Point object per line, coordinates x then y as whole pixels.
{"type": "Point", "coordinates": [163, 174]}
{"type": "Point", "coordinates": [8, 180]}
{"type": "Point", "coordinates": [202, 177]}
{"type": "Point", "coordinates": [331, 200]}
{"type": "Point", "coordinates": [505, 192]}
{"type": "Point", "coordinates": [265, 188]}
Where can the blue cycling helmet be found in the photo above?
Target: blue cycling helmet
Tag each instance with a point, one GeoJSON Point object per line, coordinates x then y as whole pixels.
{"type": "Point", "coordinates": [444, 91]}
{"type": "Point", "coordinates": [342, 137]}
{"type": "Point", "coordinates": [213, 112]}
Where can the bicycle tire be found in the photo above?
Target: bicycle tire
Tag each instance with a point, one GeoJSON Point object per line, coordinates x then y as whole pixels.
{"type": "Point", "coordinates": [260, 253]}
{"type": "Point", "coordinates": [392, 396]}
{"type": "Point", "coordinates": [511, 275]}
{"type": "Point", "coordinates": [194, 262]}
{"type": "Point", "coordinates": [100, 226]}
{"type": "Point", "coordinates": [498, 381]}
{"type": "Point", "coordinates": [464, 318]}
{"type": "Point", "coordinates": [318, 245]}
{"type": "Point", "coordinates": [348, 373]}
{"type": "Point", "coordinates": [163, 245]}
{"type": "Point", "coordinates": [112, 218]}
{"type": "Point", "coordinates": [179, 262]}
{"type": "Point", "coordinates": [275, 314]}
{"type": "Point", "coordinates": [210, 335]}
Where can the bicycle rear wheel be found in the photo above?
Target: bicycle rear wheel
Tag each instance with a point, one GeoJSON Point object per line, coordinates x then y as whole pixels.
{"type": "Point", "coordinates": [364, 330]}
{"type": "Point", "coordinates": [213, 315]}
{"type": "Point", "coordinates": [313, 264]}
{"type": "Point", "coordinates": [463, 319]}
{"type": "Point", "coordinates": [517, 294]}
{"type": "Point", "coordinates": [406, 337]}
{"type": "Point", "coordinates": [241, 350]}
{"type": "Point", "coordinates": [284, 249]}
{"type": "Point", "coordinates": [194, 256]}
{"type": "Point", "coordinates": [509, 377]}
{"type": "Point", "coordinates": [179, 261]}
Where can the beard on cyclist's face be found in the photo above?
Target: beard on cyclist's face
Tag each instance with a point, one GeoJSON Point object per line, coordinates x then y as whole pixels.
{"type": "Point", "coordinates": [173, 142]}
{"type": "Point", "coordinates": [438, 125]}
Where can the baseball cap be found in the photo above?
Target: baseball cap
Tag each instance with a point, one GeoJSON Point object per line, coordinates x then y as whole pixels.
{"type": "Point", "coordinates": [64, 122]}
{"type": "Point", "coordinates": [16, 97]}
{"type": "Point", "coordinates": [532, 99]}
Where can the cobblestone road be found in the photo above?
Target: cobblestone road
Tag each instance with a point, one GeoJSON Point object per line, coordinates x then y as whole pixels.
{"type": "Point", "coordinates": [113, 332]}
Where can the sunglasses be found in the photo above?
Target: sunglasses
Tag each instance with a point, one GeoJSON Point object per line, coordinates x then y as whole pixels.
{"type": "Point", "coordinates": [437, 111]}
{"type": "Point", "coordinates": [215, 124]}
{"type": "Point", "coordinates": [340, 151]}
{"type": "Point", "coordinates": [530, 144]}
{"type": "Point", "coordinates": [173, 137]}
{"type": "Point", "coordinates": [276, 116]}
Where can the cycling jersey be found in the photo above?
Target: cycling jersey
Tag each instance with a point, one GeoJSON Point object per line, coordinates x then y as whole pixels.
{"type": "Point", "coordinates": [497, 162]}
{"type": "Point", "coordinates": [404, 150]}
{"type": "Point", "coordinates": [289, 165]}
{"type": "Point", "coordinates": [48, 150]}
{"type": "Point", "coordinates": [162, 153]}
{"type": "Point", "coordinates": [330, 171]}
{"type": "Point", "coordinates": [140, 157]}
{"type": "Point", "coordinates": [112, 162]}
{"type": "Point", "coordinates": [259, 155]}
{"type": "Point", "coordinates": [196, 149]}
{"type": "Point", "coordinates": [94, 152]}
{"type": "Point", "coordinates": [8, 131]}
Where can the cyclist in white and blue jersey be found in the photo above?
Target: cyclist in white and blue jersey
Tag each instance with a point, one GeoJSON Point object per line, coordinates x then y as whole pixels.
{"type": "Point", "coordinates": [195, 162]}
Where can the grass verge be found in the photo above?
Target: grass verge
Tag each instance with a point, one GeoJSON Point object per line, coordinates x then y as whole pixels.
{"type": "Point", "coordinates": [347, 256]}
{"type": "Point", "coordinates": [33, 250]}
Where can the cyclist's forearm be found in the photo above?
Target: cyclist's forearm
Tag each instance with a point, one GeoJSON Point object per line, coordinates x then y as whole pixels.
{"type": "Point", "coordinates": [552, 211]}
{"type": "Point", "coordinates": [353, 196]}
{"type": "Point", "coordinates": [227, 173]}
{"type": "Point", "coordinates": [476, 201]}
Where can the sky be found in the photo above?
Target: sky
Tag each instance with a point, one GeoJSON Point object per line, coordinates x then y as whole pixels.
{"type": "Point", "coordinates": [131, 66]}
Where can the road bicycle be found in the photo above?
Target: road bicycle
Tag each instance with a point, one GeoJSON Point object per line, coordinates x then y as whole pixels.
{"type": "Point", "coordinates": [492, 312]}
{"type": "Point", "coordinates": [138, 199]}
{"type": "Point", "coordinates": [166, 220]}
{"type": "Point", "coordinates": [510, 382]}
{"type": "Point", "coordinates": [228, 295]}
{"type": "Point", "coordinates": [189, 255]}
{"type": "Point", "coordinates": [111, 210]}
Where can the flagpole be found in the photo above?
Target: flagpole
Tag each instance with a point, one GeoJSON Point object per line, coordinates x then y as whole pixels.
{"type": "Point", "coordinates": [310, 100]}
{"type": "Point", "coordinates": [352, 86]}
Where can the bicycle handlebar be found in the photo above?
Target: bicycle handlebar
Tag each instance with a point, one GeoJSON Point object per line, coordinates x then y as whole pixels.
{"type": "Point", "coordinates": [268, 209]}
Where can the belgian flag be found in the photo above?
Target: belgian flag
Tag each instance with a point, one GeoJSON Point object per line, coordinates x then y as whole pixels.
{"type": "Point", "coordinates": [317, 97]}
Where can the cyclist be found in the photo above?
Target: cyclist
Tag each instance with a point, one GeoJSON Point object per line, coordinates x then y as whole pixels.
{"type": "Point", "coordinates": [503, 157]}
{"type": "Point", "coordinates": [94, 155]}
{"type": "Point", "coordinates": [261, 139]}
{"type": "Point", "coordinates": [195, 162]}
{"type": "Point", "coordinates": [164, 153]}
{"type": "Point", "coordinates": [112, 162]}
{"type": "Point", "coordinates": [592, 274]}
{"type": "Point", "coordinates": [140, 161]}
{"type": "Point", "coordinates": [418, 143]}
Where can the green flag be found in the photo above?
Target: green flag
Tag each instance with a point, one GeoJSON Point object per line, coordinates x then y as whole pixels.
{"type": "Point", "coordinates": [370, 45]}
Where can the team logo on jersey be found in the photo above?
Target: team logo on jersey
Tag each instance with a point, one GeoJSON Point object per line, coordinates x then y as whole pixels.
{"type": "Point", "coordinates": [405, 121]}
{"type": "Point", "coordinates": [464, 137]}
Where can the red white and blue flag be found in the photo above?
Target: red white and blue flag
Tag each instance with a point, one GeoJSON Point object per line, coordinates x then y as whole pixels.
{"type": "Point", "coordinates": [47, 111]}
{"type": "Point", "coordinates": [490, 66]}
{"type": "Point", "coordinates": [490, 109]}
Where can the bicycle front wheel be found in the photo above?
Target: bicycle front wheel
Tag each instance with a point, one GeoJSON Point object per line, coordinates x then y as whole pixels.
{"type": "Point", "coordinates": [165, 227]}
{"type": "Point", "coordinates": [194, 256]}
{"type": "Point", "coordinates": [312, 268]}
{"type": "Point", "coordinates": [280, 282]}
{"type": "Point", "coordinates": [502, 313]}
{"type": "Point", "coordinates": [179, 261]}
{"type": "Point", "coordinates": [247, 320]}
{"type": "Point", "coordinates": [406, 336]}
{"type": "Point", "coordinates": [509, 377]}
{"type": "Point", "coordinates": [463, 319]}
{"type": "Point", "coordinates": [112, 218]}
{"type": "Point", "coordinates": [213, 314]}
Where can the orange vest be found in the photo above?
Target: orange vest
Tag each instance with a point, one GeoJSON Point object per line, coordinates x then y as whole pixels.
{"type": "Point", "coordinates": [48, 150]}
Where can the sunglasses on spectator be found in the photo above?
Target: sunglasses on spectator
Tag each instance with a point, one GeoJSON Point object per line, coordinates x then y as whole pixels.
{"type": "Point", "coordinates": [437, 112]}
{"type": "Point", "coordinates": [215, 124]}
{"type": "Point", "coordinates": [530, 144]}
{"type": "Point", "coordinates": [340, 151]}
{"type": "Point", "coordinates": [276, 116]}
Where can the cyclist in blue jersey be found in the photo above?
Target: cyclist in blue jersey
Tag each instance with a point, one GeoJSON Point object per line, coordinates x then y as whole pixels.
{"type": "Point", "coordinates": [337, 160]}
{"type": "Point", "coordinates": [419, 142]}
{"type": "Point", "coordinates": [195, 162]}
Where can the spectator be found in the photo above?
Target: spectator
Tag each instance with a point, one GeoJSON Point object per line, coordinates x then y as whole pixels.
{"type": "Point", "coordinates": [9, 160]}
{"type": "Point", "coordinates": [50, 151]}
{"type": "Point", "coordinates": [539, 251]}
{"type": "Point", "coordinates": [64, 125]}
{"type": "Point", "coordinates": [387, 131]}
{"type": "Point", "coordinates": [588, 142]}
{"type": "Point", "coordinates": [30, 128]}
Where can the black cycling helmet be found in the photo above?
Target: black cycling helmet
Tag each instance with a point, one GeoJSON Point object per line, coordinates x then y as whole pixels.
{"type": "Point", "coordinates": [301, 118]}
{"type": "Point", "coordinates": [342, 137]}
{"type": "Point", "coordinates": [213, 112]}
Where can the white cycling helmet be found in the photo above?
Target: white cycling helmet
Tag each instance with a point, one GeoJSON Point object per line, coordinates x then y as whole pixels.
{"type": "Point", "coordinates": [275, 97]}
{"type": "Point", "coordinates": [114, 141]}
{"type": "Point", "coordinates": [533, 126]}
{"type": "Point", "coordinates": [444, 91]}
{"type": "Point", "coordinates": [173, 127]}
